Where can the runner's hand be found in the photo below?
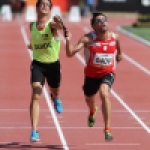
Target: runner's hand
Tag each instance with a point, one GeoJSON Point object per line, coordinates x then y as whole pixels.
{"type": "Point", "coordinates": [57, 19]}
{"type": "Point", "coordinates": [118, 57]}
{"type": "Point", "coordinates": [59, 22]}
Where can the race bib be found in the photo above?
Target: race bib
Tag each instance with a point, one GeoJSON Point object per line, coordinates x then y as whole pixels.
{"type": "Point", "coordinates": [103, 59]}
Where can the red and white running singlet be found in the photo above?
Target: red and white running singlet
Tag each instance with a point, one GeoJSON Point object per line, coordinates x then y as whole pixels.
{"type": "Point", "coordinates": [100, 57]}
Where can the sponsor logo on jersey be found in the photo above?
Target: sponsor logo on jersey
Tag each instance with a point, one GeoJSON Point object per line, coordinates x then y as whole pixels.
{"type": "Point", "coordinates": [113, 43]}
{"type": "Point", "coordinates": [45, 36]}
{"type": "Point", "coordinates": [42, 46]}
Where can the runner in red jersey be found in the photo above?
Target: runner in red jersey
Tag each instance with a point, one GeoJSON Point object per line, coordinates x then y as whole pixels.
{"type": "Point", "coordinates": [100, 56]}
{"type": "Point", "coordinates": [101, 51]}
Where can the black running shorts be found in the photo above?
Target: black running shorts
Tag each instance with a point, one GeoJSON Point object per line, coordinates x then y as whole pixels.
{"type": "Point", "coordinates": [91, 85]}
{"type": "Point", "coordinates": [49, 72]}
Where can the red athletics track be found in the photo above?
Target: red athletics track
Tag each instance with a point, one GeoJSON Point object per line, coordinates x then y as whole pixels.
{"type": "Point", "coordinates": [15, 126]}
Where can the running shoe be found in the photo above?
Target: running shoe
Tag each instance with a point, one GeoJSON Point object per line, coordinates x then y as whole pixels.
{"type": "Point", "coordinates": [34, 136]}
{"type": "Point", "coordinates": [57, 104]}
{"type": "Point", "coordinates": [108, 135]}
{"type": "Point", "coordinates": [91, 118]}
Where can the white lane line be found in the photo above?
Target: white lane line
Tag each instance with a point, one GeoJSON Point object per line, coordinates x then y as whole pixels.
{"type": "Point", "coordinates": [69, 110]}
{"type": "Point", "coordinates": [133, 36]}
{"type": "Point", "coordinates": [11, 145]}
{"type": "Point", "coordinates": [49, 117]}
{"type": "Point", "coordinates": [113, 111]}
{"type": "Point", "coordinates": [120, 100]}
{"type": "Point", "coordinates": [75, 128]}
{"type": "Point", "coordinates": [51, 109]}
{"type": "Point", "coordinates": [11, 122]}
{"type": "Point", "coordinates": [135, 63]}
{"type": "Point", "coordinates": [113, 144]}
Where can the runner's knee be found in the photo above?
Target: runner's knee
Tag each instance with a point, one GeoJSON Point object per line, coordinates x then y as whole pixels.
{"type": "Point", "coordinates": [104, 91]}
{"type": "Point", "coordinates": [89, 98]}
{"type": "Point", "coordinates": [37, 91]}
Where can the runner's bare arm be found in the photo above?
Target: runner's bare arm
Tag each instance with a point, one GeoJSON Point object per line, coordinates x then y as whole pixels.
{"type": "Point", "coordinates": [119, 52]}
{"type": "Point", "coordinates": [72, 50]}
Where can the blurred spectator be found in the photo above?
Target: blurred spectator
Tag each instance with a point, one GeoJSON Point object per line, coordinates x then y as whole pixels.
{"type": "Point", "coordinates": [3, 2]}
{"type": "Point", "coordinates": [17, 6]}
{"type": "Point", "coordinates": [88, 6]}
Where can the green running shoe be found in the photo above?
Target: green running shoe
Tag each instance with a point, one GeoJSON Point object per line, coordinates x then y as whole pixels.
{"type": "Point", "coordinates": [91, 118]}
{"type": "Point", "coordinates": [108, 135]}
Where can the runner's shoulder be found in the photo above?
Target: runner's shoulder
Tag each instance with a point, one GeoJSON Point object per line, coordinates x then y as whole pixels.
{"type": "Point", "coordinates": [89, 36]}
{"type": "Point", "coordinates": [115, 34]}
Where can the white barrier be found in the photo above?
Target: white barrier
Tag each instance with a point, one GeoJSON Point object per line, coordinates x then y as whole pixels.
{"type": "Point", "coordinates": [30, 15]}
{"type": "Point", "coordinates": [55, 11]}
{"type": "Point", "coordinates": [6, 13]}
{"type": "Point", "coordinates": [74, 14]}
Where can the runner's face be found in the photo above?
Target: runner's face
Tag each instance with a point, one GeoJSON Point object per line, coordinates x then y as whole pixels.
{"type": "Point", "coordinates": [101, 24]}
{"type": "Point", "coordinates": [44, 7]}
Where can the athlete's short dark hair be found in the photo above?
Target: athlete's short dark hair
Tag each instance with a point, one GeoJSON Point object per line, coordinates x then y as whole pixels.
{"type": "Point", "coordinates": [39, 2]}
{"type": "Point", "coordinates": [95, 14]}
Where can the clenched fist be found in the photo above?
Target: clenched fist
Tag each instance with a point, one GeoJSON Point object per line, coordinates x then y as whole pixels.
{"type": "Point", "coordinates": [57, 19]}
{"type": "Point", "coordinates": [118, 57]}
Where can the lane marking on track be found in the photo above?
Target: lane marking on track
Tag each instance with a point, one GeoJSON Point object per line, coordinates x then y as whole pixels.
{"type": "Point", "coordinates": [131, 35]}
{"type": "Point", "coordinates": [60, 117]}
{"type": "Point", "coordinates": [113, 144]}
{"type": "Point", "coordinates": [135, 63]}
{"type": "Point", "coordinates": [70, 110]}
{"type": "Point", "coordinates": [48, 100]}
{"type": "Point", "coordinates": [75, 128]}
{"type": "Point", "coordinates": [19, 145]}
{"type": "Point", "coordinates": [11, 122]}
{"type": "Point", "coordinates": [118, 98]}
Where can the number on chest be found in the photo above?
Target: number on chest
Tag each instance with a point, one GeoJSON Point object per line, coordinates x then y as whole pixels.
{"type": "Point", "coordinates": [103, 59]}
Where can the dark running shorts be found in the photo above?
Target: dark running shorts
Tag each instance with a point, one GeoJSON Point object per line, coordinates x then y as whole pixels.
{"type": "Point", "coordinates": [91, 85]}
{"type": "Point", "coordinates": [49, 72]}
